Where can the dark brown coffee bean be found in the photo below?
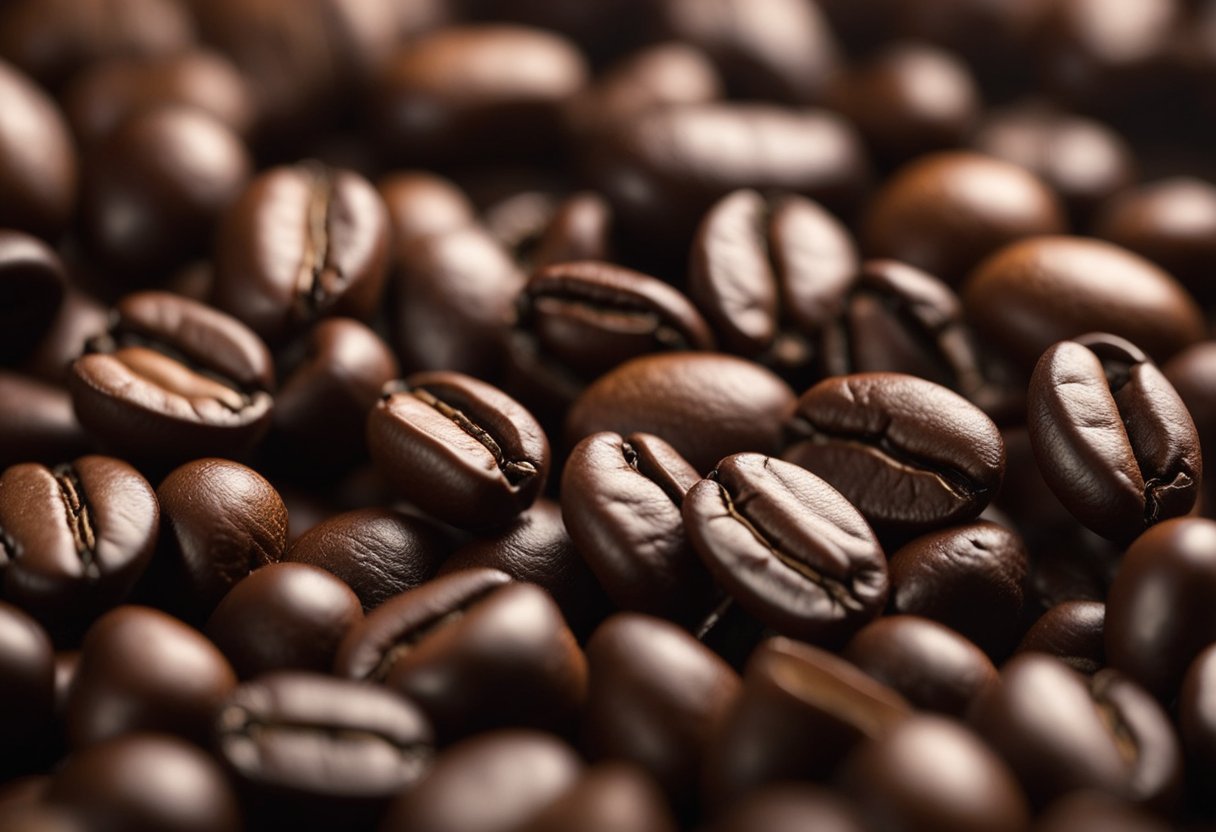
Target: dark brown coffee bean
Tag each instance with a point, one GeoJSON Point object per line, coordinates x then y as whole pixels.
{"type": "Point", "coordinates": [621, 501]}
{"type": "Point", "coordinates": [1060, 732]}
{"type": "Point", "coordinates": [1112, 438]}
{"type": "Point", "coordinates": [610, 797]}
{"type": "Point", "coordinates": [787, 547]}
{"type": "Point", "coordinates": [459, 449]}
{"type": "Point", "coordinates": [1192, 373]}
{"type": "Point", "coordinates": [146, 781]}
{"type": "Point", "coordinates": [172, 380]}
{"type": "Point", "coordinates": [475, 651]}
{"type": "Point", "coordinates": [1072, 632]}
{"type": "Point", "coordinates": [494, 782]}
{"type": "Point", "coordinates": [32, 286]}
{"type": "Point", "coordinates": [801, 710]}
{"type": "Point", "coordinates": [1197, 716]}
{"type": "Point", "coordinates": [302, 243]}
{"type": "Point", "coordinates": [1097, 812]}
{"type": "Point", "coordinates": [946, 212]}
{"type": "Point", "coordinates": [74, 538]}
{"type": "Point", "coordinates": [38, 175]}
{"type": "Point", "coordinates": [27, 665]}
{"type": "Point", "coordinates": [142, 670]}
{"type": "Point", "coordinates": [656, 694]}
{"type": "Point", "coordinates": [908, 453]}
{"type": "Point", "coordinates": [934, 667]}
{"type": "Point", "coordinates": [317, 749]}
{"type": "Point", "coordinates": [791, 808]}
{"type": "Point", "coordinates": [932, 773]}
{"type": "Point", "coordinates": [1033, 293]}
{"type": "Point", "coordinates": [421, 203]}
{"type": "Point", "coordinates": [770, 274]}
{"type": "Point", "coordinates": [1158, 615]}
{"type": "Point", "coordinates": [37, 422]}
{"type": "Point", "coordinates": [969, 578]}
{"type": "Point", "coordinates": [580, 229]}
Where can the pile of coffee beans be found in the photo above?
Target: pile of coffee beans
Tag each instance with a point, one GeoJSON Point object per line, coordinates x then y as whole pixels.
{"type": "Point", "coordinates": [607, 415]}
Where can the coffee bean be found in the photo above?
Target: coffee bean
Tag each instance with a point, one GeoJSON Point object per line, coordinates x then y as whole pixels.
{"type": "Point", "coordinates": [475, 650]}
{"type": "Point", "coordinates": [790, 808]}
{"type": "Point", "coordinates": [1072, 632]}
{"type": "Point", "coordinates": [580, 229]}
{"type": "Point", "coordinates": [1157, 618]}
{"type": "Point", "coordinates": [458, 448]}
{"type": "Point", "coordinates": [1197, 716]}
{"type": "Point", "coordinates": [611, 797]}
{"type": "Point", "coordinates": [787, 547]}
{"type": "Point", "coordinates": [421, 203]}
{"type": "Point", "coordinates": [75, 538]}
{"type": "Point", "coordinates": [1192, 373]}
{"type": "Point", "coordinates": [37, 422]}
{"type": "Point", "coordinates": [32, 285]}
{"type": "Point", "coordinates": [908, 453]}
{"type": "Point", "coordinates": [302, 243]}
{"type": "Point", "coordinates": [27, 663]}
{"type": "Point", "coordinates": [172, 380]}
{"type": "Point", "coordinates": [1112, 438]}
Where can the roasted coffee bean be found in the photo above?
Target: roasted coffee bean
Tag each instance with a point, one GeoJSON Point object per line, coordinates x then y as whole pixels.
{"type": "Point", "coordinates": [969, 577]}
{"type": "Point", "coordinates": [377, 552]}
{"type": "Point", "coordinates": [909, 454]}
{"type": "Point", "coordinates": [932, 773]}
{"type": "Point", "coordinates": [1158, 615]}
{"type": "Point", "coordinates": [147, 781]}
{"type": "Point", "coordinates": [285, 616]}
{"type": "Point", "coordinates": [302, 243]}
{"type": "Point", "coordinates": [1192, 373]}
{"type": "Point", "coordinates": [320, 750]}
{"type": "Point", "coordinates": [494, 782]}
{"type": "Point", "coordinates": [475, 650]}
{"type": "Point", "coordinates": [621, 501]}
{"type": "Point", "coordinates": [1072, 632]}
{"type": "Point", "coordinates": [420, 203]}
{"type": "Point", "coordinates": [791, 808]}
{"type": "Point", "coordinates": [663, 170]}
{"type": "Point", "coordinates": [452, 301]}
{"type": "Point", "coordinates": [580, 229]}
{"type": "Point", "coordinates": [222, 520]}
{"type": "Point", "coordinates": [74, 538]}
{"type": "Point", "coordinates": [706, 405]}
{"type": "Point", "coordinates": [32, 286]}
{"type": "Point", "coordinates": [1097, 812]}
{"type": "Point", "coordinates": [611, 797]}
{"type": "Point", "coordinates": [27, 665]}
{"type": "Point", "coordinates": [770, 274]}
{"type": "Point", "coordinates": [1197, 716]}
{"type": "Point", "coordinates": [787, 547]}
{"type": "Point", "coordinates": [459, 449]}
{"type": "Point", "coordinates": [38, 174]}
{"type": "Point", "coordinates": [1031, 294]}
{"type": "Point", "coordinates": [1061, 732]}
{"type": "Point", "coordinates": [173, 380]}
{"type": "Point", "coordinates": [934, 667]}
{"type": "Point", "coordinates": [142, 670]}
{"type": "Point", "coordinates": [1112, 438]}
{"type": "Point", "coordinates": [37, 422]}
{"type": "Point", "coordinates": [655, 695]}
{"type": "Point", "coordinates": [800, 711]}
{"type": "Point", "coordinates": [516, 209]}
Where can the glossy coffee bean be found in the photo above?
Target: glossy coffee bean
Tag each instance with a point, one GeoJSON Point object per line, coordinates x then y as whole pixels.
{"type": "Point", "coordinates": [801, 710]}
{"type": "Point", "coordinates": [934, 667]}
{"type": "Point", "coordinates": [37, 422]}
{"type": "Point", "coordinates": [1061, 732]}
{"type": "Point", "coordinates": [468, 93]}
{"type": "Point", "coordinates": [377, 552]}
{"type": "Point", "coordinates": [930, 773]}
{"type": "Point", "coordinates": [147, 781]}
{"type": "Point", "coordinates": [790, 808]}
{"type": "Point", "coordinates": [39, 173]}
{"type": "Point", "coordinates": [317, 749]}
{"type": "Point", "coordinates": [580, 229]}
{"type": "Point", "coordinates": [1033, 293]}
{"type": "Point", "coordinates": [475, 650]}
{"type": "Point", "coordinates": [154, 190]}
{"type": "Point", "coordinates": [621, 499]}
{"type": "Point", "coordinates": [459, 449]}
{"type": "Point", "coordinates": [173, 380]}
{"type": "Point", "coordinates": [1112, 438]}
{"type": "Point", "coordinates": [1157, 615]}
{"type": "Point", "coordinates": [706, 405]}
{"type": "Point", "coordinates": [769, 274]}
{"type": "Point", "coordinates": [32, 286]}
{"type": "Point", "coordinates": [1096, 812]}
{"type": "Point", "coordinates": [787, 547]}
{"type": "Point", "coordinates": [284, 616]}
{"type": "Point", "coordinates": [27, 664]}
{"type": "Point", "coordinates": [946, 212]}
{"type": "Point", "coordinates": [494, 782]}
{"type": "Point", "coordinates": [420, 203]}
{"type": "Point", "coordinates": [142, 670]}
{"type": "Point", "coordinates": [611, 797]}
{"type": "Point", "coordinates": [222, 520]}
{"type": "Point", "coordinates": [75, 537]}
{"type": "Point", "coordinates": [655, 695]}
{"type": "Point", "coordinates": [908, 453]}
{"type": "Point", "coordinates": [1072, 632]}
{"type": "Point", "coordinates": [1197, 715]}
{"type": "Point", "coordinates": [969, 577]}
{"type": "Point", "coordinates": [302, 243]}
